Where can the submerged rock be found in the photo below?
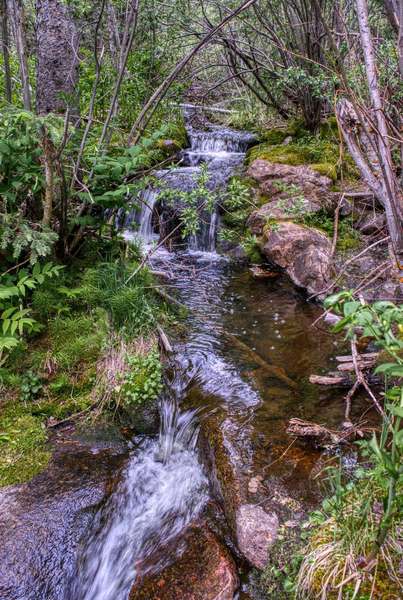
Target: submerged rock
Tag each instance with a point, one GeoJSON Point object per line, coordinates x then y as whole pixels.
{"type": "Point", "coordinates": [204, 571]}
{"type": "Point", "coordinates": [256, 532]}
{"type": "Point", "coordinates": [303, 252]}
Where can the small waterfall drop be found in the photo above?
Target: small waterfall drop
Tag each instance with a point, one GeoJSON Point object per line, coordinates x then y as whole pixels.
{"type": "Point", "coordinates": [222, 150]}
{"type": "Point", "coordinates": [162, 490]}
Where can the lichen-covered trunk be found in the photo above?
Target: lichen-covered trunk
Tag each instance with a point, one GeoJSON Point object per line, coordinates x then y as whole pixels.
{"type": "Point", "coordinates": [57, 58]}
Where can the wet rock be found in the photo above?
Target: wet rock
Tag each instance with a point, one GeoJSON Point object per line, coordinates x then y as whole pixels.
{"type": "Point", "coordinates": [204, 571]}
{"type": "Point", "coordinates": [256, 532]}
{"type": "Point", "coordinates": [43, 521]}
{"type": "Point", "coordinates": [303, 252]}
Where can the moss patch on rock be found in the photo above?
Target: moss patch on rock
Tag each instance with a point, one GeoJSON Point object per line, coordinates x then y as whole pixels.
{"type": "Point", "coordinates": [23, 444]}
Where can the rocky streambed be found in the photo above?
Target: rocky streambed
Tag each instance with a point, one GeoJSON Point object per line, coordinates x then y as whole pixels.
{"type": "Point", "coordinates": [191, 512]}
{"type": "Point", "coordinates": [242, 364]}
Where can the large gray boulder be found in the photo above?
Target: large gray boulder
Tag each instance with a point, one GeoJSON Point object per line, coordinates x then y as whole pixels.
{"type": "Point", "coordinates": [303, 252]}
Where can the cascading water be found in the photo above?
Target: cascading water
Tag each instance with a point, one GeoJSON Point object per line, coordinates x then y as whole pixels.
{"type": "Point", "coordinates": [222, 150]}
{"type": "Point", "coordinates": [163, 487]}
{"type": "Point", "coordinates": [162, 490]}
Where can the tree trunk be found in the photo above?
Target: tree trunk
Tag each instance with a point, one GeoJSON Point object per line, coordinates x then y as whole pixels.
{"type": "Point", "coordinates": [5, 49]}
{"type": "Point", "coordinates": [20, 43]}
{"type": "Point", "coordinates": [57, 59]}
{"type": "Point", "coordinates": [392, 197]}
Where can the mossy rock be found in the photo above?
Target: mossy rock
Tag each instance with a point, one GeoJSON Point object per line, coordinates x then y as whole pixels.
{"type": "Point", "coordinates": [327, 169]}
{"type": "Point", "coordinates": [23, 445]}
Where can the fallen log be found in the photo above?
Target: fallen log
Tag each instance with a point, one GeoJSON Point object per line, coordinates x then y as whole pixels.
{"type": "Point", "coordinates": [273, 370]}
{"type": "Point", "coordinates": [363, 356]}
{"type": "Point", "coordinates": [324, 436]}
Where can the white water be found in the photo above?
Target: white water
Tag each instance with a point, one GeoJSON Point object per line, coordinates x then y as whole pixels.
{"type": "Point", "coordinates": [162, 490]}
{"type": "Point", "coordinates": [223, 150]}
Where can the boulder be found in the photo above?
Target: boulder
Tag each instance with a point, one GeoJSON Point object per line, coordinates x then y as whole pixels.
{"type": "Point", "coordinates": [205, 571]}
{"type": "Point", "coordinates": [303, 252]}
{"type": "Point", "coordinates": [292, 192]}
{"type": "Point", "coordinates": [256, 532]}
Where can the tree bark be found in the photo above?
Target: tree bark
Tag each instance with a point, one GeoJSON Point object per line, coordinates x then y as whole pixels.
{"type": "Point", "coordinates": [391, 193]}
{"type": "Point", "coordinates": [5, 49]}
{"type": "Point", "coordinates": [18, 20]}
{"type": "Point", "coordinates": [57, 59]}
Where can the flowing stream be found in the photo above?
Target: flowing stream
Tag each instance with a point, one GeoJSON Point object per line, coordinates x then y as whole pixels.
{"type": "Point", "coordinates": [243, 359]}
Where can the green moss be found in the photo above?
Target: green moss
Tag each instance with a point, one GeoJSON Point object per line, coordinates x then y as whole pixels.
{"type": "Point", "coordinates": [321, 151]}
{"type": "Point", "coordinates": [327, 169]}
{"type": "Point", "coordinates": [23, 444]}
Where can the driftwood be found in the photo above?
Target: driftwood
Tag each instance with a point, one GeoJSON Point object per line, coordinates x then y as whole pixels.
{"type": "Point", "coordinates": [340, 379]}
{"type": "Point", "coordinates": [261, 273]}
{"type": "Point", "coordinates": [273, 370]}
{"type": "Point", "coordinates": [165, 343]}
{"type": "Point", "coordinates": [324, 436]}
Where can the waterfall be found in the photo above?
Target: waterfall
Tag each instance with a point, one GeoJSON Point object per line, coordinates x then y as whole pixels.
{"type": "Point", "coordinates": [223, 150]}
{"type": "Point", "coordinates": [162, 490]}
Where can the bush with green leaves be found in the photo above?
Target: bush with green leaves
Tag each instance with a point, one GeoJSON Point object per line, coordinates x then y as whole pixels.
{"type": "Point", "coordinates": [143, 381]}
{"type": "Point", "coordinates": [15, 290]}
{"type": "Point", "coordinates": [31, 385]}
{"type": "Point", "coordinates": [191, 204]}
{"type": "Point", "coordinates": [355, 542]}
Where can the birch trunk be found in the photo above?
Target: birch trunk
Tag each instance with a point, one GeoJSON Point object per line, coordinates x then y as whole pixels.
{"type": "Point", "coordinates": [390, 194]}
{"type": "Point", "coordinates": [18, 21]}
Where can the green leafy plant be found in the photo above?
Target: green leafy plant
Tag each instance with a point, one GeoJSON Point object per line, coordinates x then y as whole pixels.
{"type": "Point", "coordinates": [15, 319]}
{"type": "Point", "coordinates": [143, 382]}
{"type": "Point", "coordinates": [191, 204]}
{"type": "Point", "coordinates": [31, 385]}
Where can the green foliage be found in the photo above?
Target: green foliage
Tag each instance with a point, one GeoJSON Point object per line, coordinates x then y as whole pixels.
{"type": "Point", "coordinates": [31, 385]}
{"type": "Point", "coordinates": [76, 341]}
{"type": "Point", "coordinates": [348, 238]}
{"type": "Point", "coordinates": [191, 203]}
{"type": "Point", "coordinates": [143, 381]}
{"type": "Point", "coordinates": [15, 319]}
{"type": "Point", "coordinates": [130, 304]}
{"type": "Point", "coordinates": [20, 237]}
{"type": "Point", "coordinates": [360, 520]}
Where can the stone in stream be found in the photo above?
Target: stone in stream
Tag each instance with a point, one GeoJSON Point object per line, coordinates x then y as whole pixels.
{"type": "Point", "coordinates": [303, 252]}
{"type": "Point", "coordinates": [205, 571]}
{"type": "Point", "coordinates": [256, 531]}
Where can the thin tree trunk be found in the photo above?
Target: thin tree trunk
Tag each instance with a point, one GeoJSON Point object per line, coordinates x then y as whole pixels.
{"type": "Point", "coordinates": [18, 21]}
{"type": "Point", "coordinates": [48, 160]}
{"type": "Point", "coordinates": [5, 49]}
{"type": "Point", "coordinates": [392, 196]}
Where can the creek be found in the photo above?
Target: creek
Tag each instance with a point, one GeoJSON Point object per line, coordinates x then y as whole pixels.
{"type": "Point", "coordinates": [222, 443]}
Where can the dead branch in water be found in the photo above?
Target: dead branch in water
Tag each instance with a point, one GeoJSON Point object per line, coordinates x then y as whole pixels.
{"type": "Point", "coordinates": [324, 436]}
{"type": "Point", "coordinates": [273, 370]}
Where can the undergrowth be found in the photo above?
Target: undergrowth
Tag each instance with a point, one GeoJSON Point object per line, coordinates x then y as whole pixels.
{"type": "Point", "coordinates": [84, 316]}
